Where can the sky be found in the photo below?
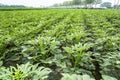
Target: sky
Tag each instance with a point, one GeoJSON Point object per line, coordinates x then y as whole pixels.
{"type": "Point", "coordinates": [37, 3]}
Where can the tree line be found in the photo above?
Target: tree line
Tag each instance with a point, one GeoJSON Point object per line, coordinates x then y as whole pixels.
{"type": "Point", "coordinates": [90, 3]}
{"type": "Point", "coordinates": [11, 6]}
{"type": "Point", "coordinates": [86, 3]}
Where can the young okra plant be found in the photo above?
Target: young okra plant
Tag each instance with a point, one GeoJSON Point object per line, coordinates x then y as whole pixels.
{"type": "Point", "coordinates": [76, 52]}
{"type": "Point", "coordinates": [24, 72]}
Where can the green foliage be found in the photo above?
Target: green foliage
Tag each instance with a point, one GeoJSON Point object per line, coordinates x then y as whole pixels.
{"type": "Point", "coordinates": [24, 72]}
{"type": "Point", "coordinates": [68, 44]}
{"type": "Point", "coordinates": [76, 77]}
{"type": "Point", "coordinates": [106, 4]}
{"type": "Point", "coordinates": [76, 52]}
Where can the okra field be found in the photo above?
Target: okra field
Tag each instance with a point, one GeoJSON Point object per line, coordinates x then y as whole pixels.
{"type": "Point", "coordinates": [60, 44]}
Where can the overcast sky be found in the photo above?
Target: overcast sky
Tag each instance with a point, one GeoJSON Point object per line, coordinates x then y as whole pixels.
{"type": "Point", "coordinates": [37, 3]}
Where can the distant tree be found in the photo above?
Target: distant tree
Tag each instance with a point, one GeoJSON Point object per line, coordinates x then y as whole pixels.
{"type": "Point", "coordinates": [56, 5]}
{"type": "Point", "coordinates": [97, 2]}
{"type": "Point", "coordinates": [106, 4]}
{"type": "Point", "coordinates": [67, 3]}
{"type": "Point", "coordinates": [89, 3]}
{"type": "Point", "coordinates": [114, 4]}
{"type": "Point", "coordinates": [11, 6]}
{"type": "Point", "coordinates": [76, 2]}
{"type": "Point", "coordinates": [118, 4]}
